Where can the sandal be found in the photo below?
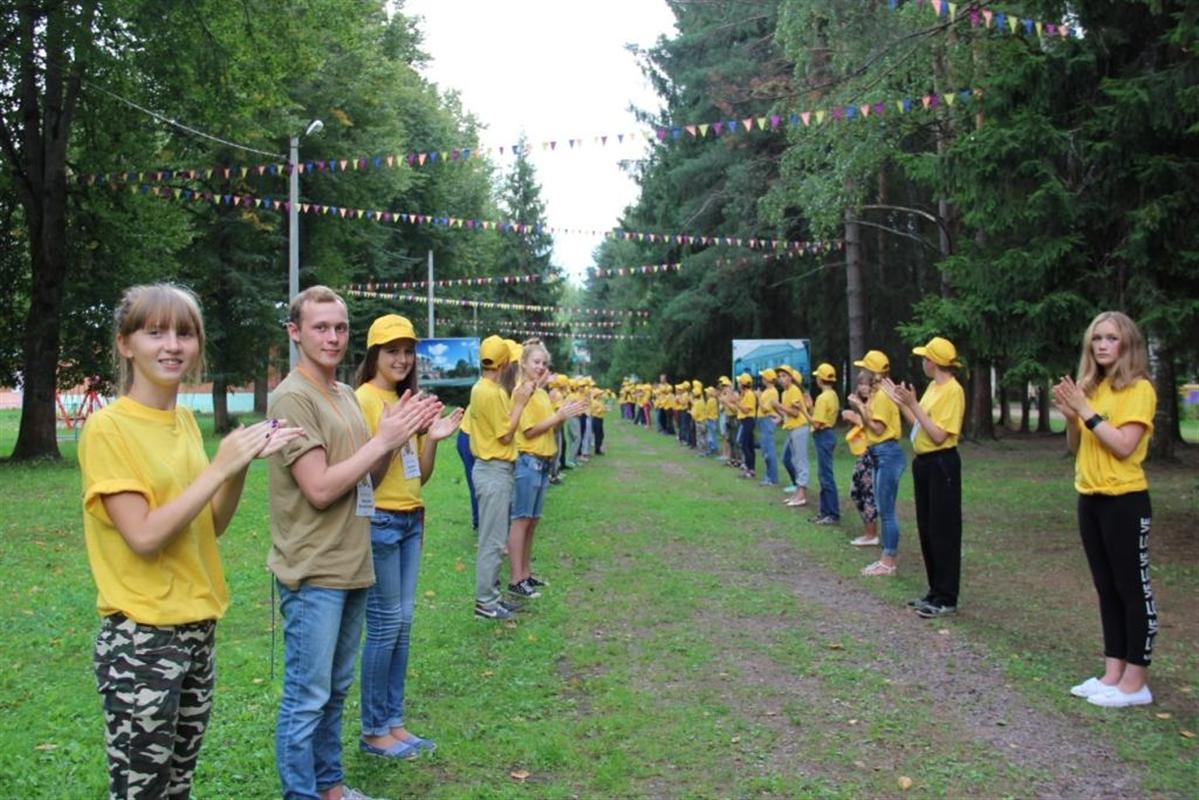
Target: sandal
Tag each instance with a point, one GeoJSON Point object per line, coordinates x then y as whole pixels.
{"type": "Point", "coordinates": [796, 503]}
{"type": "Point", "coordinates": [878, 569]}
{"type": "Point", "coordinates": [863, 541]}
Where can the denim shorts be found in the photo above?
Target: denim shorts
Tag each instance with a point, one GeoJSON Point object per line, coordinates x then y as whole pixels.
{"type": "Point", "coordinates": [532, 478]}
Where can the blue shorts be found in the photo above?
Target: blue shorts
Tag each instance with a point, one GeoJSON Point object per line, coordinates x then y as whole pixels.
{"type": "Point", "coordinates": [531, 481]}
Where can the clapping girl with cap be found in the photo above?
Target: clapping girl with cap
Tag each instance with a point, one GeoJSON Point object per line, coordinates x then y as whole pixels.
{"type": "Point", "coordinates": [879, 418]}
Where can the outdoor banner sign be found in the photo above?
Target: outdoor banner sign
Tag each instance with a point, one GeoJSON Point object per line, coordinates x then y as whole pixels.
{"type": "Point", "coordinates": [447, 362]}
{"type": "Point", "coordinates": [755, 355]}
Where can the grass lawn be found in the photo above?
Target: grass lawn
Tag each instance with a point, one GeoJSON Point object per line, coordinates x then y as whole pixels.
{"type": "Point", "coordinates": [698, 640]}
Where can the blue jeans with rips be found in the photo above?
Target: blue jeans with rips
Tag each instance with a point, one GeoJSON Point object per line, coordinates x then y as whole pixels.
{"type": "Point", "coordinates": [889, 464]}
{"type": "Point", "coordinates": [395, 546]}
{"type": "Point", "coordinates": [321, 629]}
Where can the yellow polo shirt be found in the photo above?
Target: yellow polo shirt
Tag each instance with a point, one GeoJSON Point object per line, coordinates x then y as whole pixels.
{"type": "Point", "coordinates": [945, 405]}
{"type": "Point", "coordinates": [489, 410]}
{"type": "Point", "coordinates": [1096, 469]}
{"type": "Point", "coordinates": [793, 398]}
{"type": "Point", "coordinates": [826, 408]}
{"type": "Point", "coordinates": [884, 410]}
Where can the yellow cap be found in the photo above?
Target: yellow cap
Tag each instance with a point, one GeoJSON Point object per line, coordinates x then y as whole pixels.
{"type": "Point", "coordinates": [388, 328]}
{"type": "Point", "coordinates": [695, 384]}
{"type": "Point", "coordinates": [768, 374]}
{"type": "Point", "coordinates": [825, 372]}
{"type": "Point", "coordinates": [493, 352]}
{"type": "Point", "coordinates": [725, 380]}
{"type": "Point", "coordinates": [795, 374]}
{"type": "Point", "coordinates": [711, 390]}
{"type": "Point", "coordinates": [940, 351]}
{"type": "Point", "coordinates": [874, 361]}
{"type": "Point", "coordinates": [745, 379]}
{"type": "Point", "coordinates": [514, 350]}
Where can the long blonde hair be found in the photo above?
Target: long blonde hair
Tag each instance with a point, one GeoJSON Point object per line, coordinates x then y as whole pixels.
{"type": "Point", "coordinates": [529, 347]}
{"type": "Point", "coordinates": [157, 305]}
{"type": "Point", "coordinates": [1131, 365]}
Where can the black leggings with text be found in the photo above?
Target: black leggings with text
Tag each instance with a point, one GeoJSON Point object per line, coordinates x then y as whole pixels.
{"type": "Point", "coordinates": [1115, 536]}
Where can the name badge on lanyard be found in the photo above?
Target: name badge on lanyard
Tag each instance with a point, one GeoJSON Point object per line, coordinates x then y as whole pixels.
{"type": "Point", "coordinates": [365, 507]}
{"type": "Point", "coordinates": [410, 460]}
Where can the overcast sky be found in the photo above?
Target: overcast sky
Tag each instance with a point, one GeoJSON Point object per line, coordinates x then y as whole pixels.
{"type": "Point", "coordinates": [555, 70]}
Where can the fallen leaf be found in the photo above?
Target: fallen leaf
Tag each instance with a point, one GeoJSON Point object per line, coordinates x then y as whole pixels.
{"type": "Point", "coordinates": [1001, 722]}
{"type": "Point", "coordinates": [853, 722]}
{"type": "Point", "coordinates": [735, 739]}
{"type": "Point", "coordinates": [459, 566]}
{"type": "Point", "coordinates": [835, 646]}
{"type": "Point", "coordinates": [45, 746]}
{"type": "Point", "coordinates": [487, 673]}
{"type": "Point", "coordinates": [430, 593]}
{"type": "Point", "coordinates": [772, 713]}
{"type": "Point", "coordinates": [860, 764]}
{"type": "Point", "coordinates": [520, 775]}
{"type": "Point", "coordinates": [944, 631]}
{"type": "Point", "coordinates": [1187, 689]}
{"type": "Point", "coordinates": [532, 637]}
{"type": "Point", "coordinates": [256, 681]}
{"type": "Point", "coordinates": [905, 782]}
{"type": "Point", "coordinates": [1187, 734]}
{"type": "Point", "coordinates": [1162, 715]}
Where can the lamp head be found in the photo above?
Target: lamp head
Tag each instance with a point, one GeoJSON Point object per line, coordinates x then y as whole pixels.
{"type": "Point", "coordinates": [316, 126]}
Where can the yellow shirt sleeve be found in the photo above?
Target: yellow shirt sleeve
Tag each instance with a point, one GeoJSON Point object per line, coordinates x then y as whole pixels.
{"type": "Point", "coordinates": [747, 406]}
{"type": "Point", "coordinates": [536, 411]}
{"type": "Point", "coordinates": [1096, 469]}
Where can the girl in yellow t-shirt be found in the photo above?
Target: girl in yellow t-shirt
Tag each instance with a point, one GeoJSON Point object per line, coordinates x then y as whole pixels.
{"type": "Point", "coordinates": [1109, 419]}
{"type": "Point", "coordinates": [936, 472]}
{"type": "Point", "coordinates": [824, 419]}
{"type": "Point", "coordinates": [153, 507]}
{"type": "Point", "coordinates": [387, 376]}
{"type": "Point", "coordinates": [861, 488]}
{"type": "Point", "coordinates": [535, 449]}
{"type": "Point", "coordinates": [747, 416]}
{"type": "Point", "coordinates": [880, 419]}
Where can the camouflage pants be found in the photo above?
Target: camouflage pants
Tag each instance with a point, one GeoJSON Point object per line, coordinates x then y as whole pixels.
{"type": "Point", "coordinates": [157, 687]}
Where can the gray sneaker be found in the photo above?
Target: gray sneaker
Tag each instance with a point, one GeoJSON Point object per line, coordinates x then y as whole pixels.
{"type": "Point", "coordinates": [495, 611]}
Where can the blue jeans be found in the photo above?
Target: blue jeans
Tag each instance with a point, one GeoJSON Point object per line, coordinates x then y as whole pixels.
{"type": "Point", "coordinates": [745, 438]}
{"type": "Point", "coordinates": [321, 628]}
{"type": "Point", "coordinates": [826, 441]}
{"type": "Point", "coordinates": [770, 455]}
{"type": "Point", "coordinates": [888, 467]}
{"type": "Point", "coordinates": [711, 425]}
{"type": "Point", "coordinates": [395, 546]}
{"type": "Point", "coordinates": [468, 464]}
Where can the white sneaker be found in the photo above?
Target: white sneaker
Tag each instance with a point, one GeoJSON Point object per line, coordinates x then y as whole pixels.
{"type": "Point", "coordinates": [1114, 698]}
{"type": "Point", "coordinates": [1089, 687]}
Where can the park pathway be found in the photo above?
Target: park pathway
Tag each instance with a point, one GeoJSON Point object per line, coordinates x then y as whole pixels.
{"type": "Point", "coordinates": [761, 666]}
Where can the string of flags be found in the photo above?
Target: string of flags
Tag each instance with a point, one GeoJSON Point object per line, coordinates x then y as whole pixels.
{"type": "Point", "coordinates": [464, 303]}
{"type": "Point", "coordinates": [548, 324]}
{"type": "Point", "coordinates": [557, 335]}
{"type": "Point", "coordinates": [694, 130]}
{"type": "Point", "coordinates": [995, 20]}
{"type": "Point", "coordinates": [797, 247]}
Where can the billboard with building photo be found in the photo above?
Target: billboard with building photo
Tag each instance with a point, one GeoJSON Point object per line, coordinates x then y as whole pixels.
{"type": "Point", "coordinates": [447, 362]}
{"type": "Point", "coordinates": [755, 355]}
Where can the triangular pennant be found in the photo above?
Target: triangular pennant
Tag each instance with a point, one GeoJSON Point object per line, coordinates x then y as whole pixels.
{"type": "Point", "coordinates": [806, 117]}
{"type": "Point", "coordinates": [748, 122]}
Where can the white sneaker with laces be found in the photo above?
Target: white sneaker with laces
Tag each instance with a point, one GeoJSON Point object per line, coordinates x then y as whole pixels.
{"type": "Point", "coordinates": [1114, 698]}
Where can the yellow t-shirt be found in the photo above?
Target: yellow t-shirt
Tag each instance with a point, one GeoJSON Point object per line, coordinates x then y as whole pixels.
{"type": "Point", "coordinates": [1096, 470]}
{"type": "Point", "coordinates": [464, 426]}
{"type": "Point", "coordinates": [490, 408]}
{"type": "Point", "coordinates": [826, 407]}
{"type": "Point", "coordinates": [597, 409]}
{"type": "Point", "coordinates": [945, 404]}
{"type": "Point", "coordinates": [793, 398]}
{"type": "Point", "coordinates": [711, 409]}
{"type": "Point", "coordinates": [537, 410]}
{"type": "Point", "coordinates": [769, 397]}
{"type": "Point", "coordinates": [747, 406]}
{"type": "Point", "coordinates": [129, 447]}
{"type": "Point", "coordinates": [884, 410]}
{"type": "Point", "coordinates": [394, 492]}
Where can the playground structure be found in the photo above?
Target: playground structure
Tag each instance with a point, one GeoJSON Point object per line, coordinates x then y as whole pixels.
{"type": "Point", "coordinates": [76, 405]}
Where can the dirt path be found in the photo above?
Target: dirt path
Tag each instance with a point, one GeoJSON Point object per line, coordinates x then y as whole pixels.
{"type": "Point", "coordinates": [841, 661]}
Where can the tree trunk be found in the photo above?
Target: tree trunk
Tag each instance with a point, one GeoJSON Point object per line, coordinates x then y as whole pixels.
{"type": "Point", "coordinates": [36, 149]}
{"type": "Point", "coordinates": [854, 291]}
{"type": "Point", "coordinates": [1025, 410]}
{"type": "Point", "coordinates": [1005, 406]}
{"type": "Point", "coordinates": [262, 386]}
{"type": "Point", "coordinates": [1043, 407]}
{"type": "Point", "coordinates": [1167, 428]}
{"type": "Point", "coordinates": [981, 417]}
{"type": "Point", "coordinates": [220, 406]}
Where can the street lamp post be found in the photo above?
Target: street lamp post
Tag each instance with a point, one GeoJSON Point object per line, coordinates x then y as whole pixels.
{"type": "Point", "coordinates": [293, 223]}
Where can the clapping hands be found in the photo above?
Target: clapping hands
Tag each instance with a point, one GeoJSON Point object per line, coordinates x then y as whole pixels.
{"type": "Point", "coordinates": [1069, 398]}
{"type": "Point", "coordinates": [902, 394]}
{"type": "Point", "coordinates": [444, 427]}
{"type": "Point", "coordinates": [260, 440]}
{"type": "Point", "coordinates": [411, 414]}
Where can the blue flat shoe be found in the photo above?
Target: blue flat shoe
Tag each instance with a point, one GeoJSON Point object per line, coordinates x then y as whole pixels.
{"type": "Point", "coordinates": [402, 750]}
{"type": "Point", "coordinates": [421, 745]}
